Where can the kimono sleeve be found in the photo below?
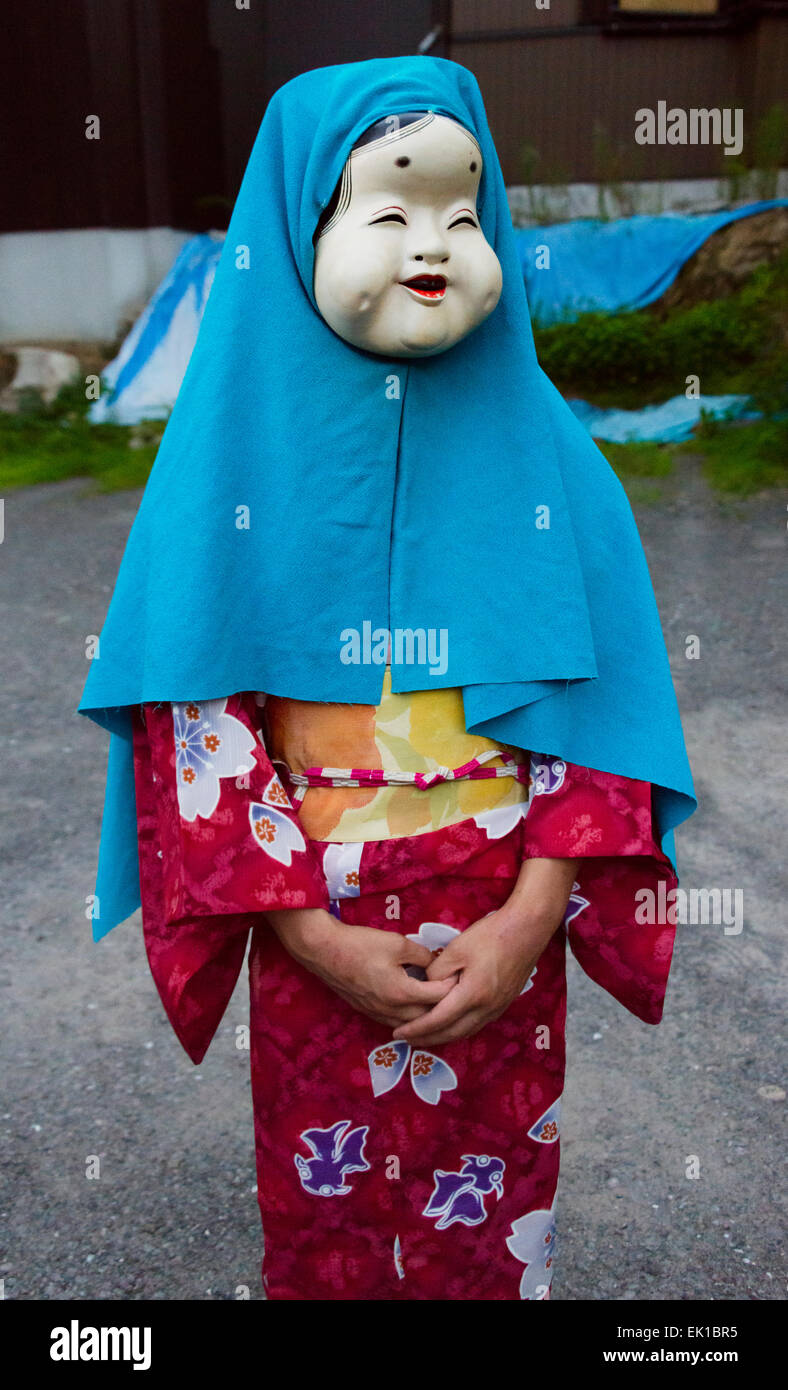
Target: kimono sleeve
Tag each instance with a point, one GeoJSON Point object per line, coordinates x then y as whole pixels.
{"type": "Point", "coordinates": [606, 822]}
{"type": "Point", "coordinates": [219, 843]}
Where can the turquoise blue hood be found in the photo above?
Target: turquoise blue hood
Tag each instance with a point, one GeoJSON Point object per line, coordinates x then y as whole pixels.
{"type": "Point", "coordinates": [403, 493]}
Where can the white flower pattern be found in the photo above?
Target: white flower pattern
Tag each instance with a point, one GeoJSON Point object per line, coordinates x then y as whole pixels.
{"type": "Point", "coordinates": [274, 831]}
{"type": "Point", "coordinates": [533, 1242]}
{"type": "Point", "coordinates": [501, 819]}
{"type": "Point", "coordinates": [341, 869]}
{"type": "Point", "coordinates": [209, 745]}
{"type": "Point", "coordinates": [430, 1076]}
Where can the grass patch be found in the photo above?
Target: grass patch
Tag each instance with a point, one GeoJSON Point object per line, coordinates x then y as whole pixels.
{"type": "Point", "coordinates": [742, 459]}
{"type": "Point", "coordinates": [642, 467]}
{"type": "Point", "coordinates": [644, 492]}
{"type": "Point", "coordinates": [738, 459]}
{"type": "Point", "coordinates": [45, 444]}
{"type": "Point", "coordinates": [642, 459]}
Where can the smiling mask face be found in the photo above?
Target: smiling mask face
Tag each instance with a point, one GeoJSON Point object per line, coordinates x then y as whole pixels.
{"type": "Point", "coordinates": [402, 268]}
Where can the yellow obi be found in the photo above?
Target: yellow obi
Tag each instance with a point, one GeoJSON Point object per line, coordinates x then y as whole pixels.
{"type": "Point", "coordinates": [419, 731]}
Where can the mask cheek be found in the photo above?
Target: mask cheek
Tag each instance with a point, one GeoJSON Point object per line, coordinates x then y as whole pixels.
{"type": "Point", "coordinates": [488, 285]}
{"type": "Point", "coordinates": [352, 282]}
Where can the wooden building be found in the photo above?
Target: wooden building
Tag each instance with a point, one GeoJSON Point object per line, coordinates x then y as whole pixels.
{"type": "Point", "coordinates": [127, 123]}
{"type": "Point", "coordinates": [180, 87]}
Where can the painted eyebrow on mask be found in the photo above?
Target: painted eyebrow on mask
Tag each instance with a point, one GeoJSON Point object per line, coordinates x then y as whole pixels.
{"type": "Point", "coordinates": [393, 208]}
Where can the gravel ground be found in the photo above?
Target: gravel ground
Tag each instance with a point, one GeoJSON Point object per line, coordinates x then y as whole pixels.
{"type": "Point", "coordinates": [90, 1066]}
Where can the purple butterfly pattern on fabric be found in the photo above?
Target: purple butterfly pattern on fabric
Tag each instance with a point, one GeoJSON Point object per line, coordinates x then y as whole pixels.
{"type": "Point", "coordinates": [575, 905]}
{"type": "Point", "coordinates": [547, 774]}
{"type": "Point", "coordinates": [335, 1153]}
{"type": "Point", "coordinates": [460, 1196]}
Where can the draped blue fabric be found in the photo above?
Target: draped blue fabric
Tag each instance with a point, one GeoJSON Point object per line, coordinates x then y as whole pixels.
{"type": "Point", "coordinates": [607, 267]}
{"type": "Point", "coordinates": [304, 487]}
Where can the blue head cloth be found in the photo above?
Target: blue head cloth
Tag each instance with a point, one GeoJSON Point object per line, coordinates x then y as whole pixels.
{"type": "Point", "coordinates": [455, 492]}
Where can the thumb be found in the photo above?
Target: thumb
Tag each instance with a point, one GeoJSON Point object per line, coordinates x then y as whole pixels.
{"type": "Point", "coordinates": [413, 953]}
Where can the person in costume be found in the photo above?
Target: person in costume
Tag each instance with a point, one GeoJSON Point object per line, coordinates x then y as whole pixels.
{"type": "Point", "coordinates": [388, 697]}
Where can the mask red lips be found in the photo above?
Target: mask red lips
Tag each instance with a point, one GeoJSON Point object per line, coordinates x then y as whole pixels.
{"type": "Point", "coordinates": [431, 287]}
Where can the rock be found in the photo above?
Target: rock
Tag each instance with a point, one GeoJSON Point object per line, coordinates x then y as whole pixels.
{"type": "Point", "coordinates": [722, 264]}
{"type": "Point", "coordinates": [771, 1092]}
{"type": "Point", "coordinates": [43, 370]}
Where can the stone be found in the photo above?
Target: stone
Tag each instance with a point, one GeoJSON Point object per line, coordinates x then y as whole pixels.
{"type": "Point", "coordinates": [725, 260]}
{"type": "Point", "coordinates": [43, 370]}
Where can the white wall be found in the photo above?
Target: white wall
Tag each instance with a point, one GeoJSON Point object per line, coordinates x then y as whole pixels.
{"type": "Point", "coordinates": [80, 285]}
{"type": "Point", "coordinates": [565, 203]}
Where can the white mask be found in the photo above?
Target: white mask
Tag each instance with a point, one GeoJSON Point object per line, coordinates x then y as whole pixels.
{"type": "Point", "coordinates": [405, 269]}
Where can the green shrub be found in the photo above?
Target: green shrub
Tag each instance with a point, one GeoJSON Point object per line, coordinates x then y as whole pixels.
{"type": "Point", "coordinates": [643, 356]}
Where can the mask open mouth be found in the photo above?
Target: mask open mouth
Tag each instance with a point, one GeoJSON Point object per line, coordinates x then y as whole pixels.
{"type": "Point", "coordinates": [426, 287]}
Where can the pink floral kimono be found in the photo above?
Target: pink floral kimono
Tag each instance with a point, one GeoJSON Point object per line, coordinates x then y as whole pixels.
{"type": "Point", "coordinates": [386, 1171]}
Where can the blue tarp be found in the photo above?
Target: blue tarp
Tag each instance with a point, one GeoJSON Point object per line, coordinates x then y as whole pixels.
{"type": "Point", "coordinates": [593, 265]}
{"type": "Point", "coordinates": [616, 265]}
{"type": "Point", "coordinates": [145, 377]}
{"type": "Point", "coordinates": [673, 420]}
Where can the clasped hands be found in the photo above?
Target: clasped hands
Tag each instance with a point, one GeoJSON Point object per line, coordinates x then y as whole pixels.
{"type": "Point", "coordinates": [469, 983]}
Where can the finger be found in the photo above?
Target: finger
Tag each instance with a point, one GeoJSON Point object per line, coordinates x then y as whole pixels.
{"type": "Point", "coordinates": [388, 1012]}
{"type": "Point", "coordinates": [413, 953]}
{"type": "Point", "coordinates": [447, 1011]}
{"type": "Point", "coordinates": [476, 1019]}
{"type": "Point", "coordinates": [407, 1012]}
{"type": "Point", "coordinates": [369, 1008]}
{"type": "Point", "coordinates": [426, 992]}
{"type": "Point", "coordinates": [465, 1027]}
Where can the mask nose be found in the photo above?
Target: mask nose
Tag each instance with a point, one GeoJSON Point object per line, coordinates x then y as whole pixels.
{"type": "Point", "coordinates": [428, 245]}
{"type": "Point", "coordinates": [432, 257]}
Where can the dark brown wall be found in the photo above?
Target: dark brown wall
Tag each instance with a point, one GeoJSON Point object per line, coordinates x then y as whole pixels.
{"type": "Point", "coordinates": [480, 16]}
{"type": "Point", "coordinates": [274, 40]}
{"type": "Point", "coordinates": [565, 78]}
{"type": "Point", "coordinates": [181, 86]}
{"type": "Point", "coordinates": [146, 69]}
{"type": "Point", "coordinates": [567, 86]}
